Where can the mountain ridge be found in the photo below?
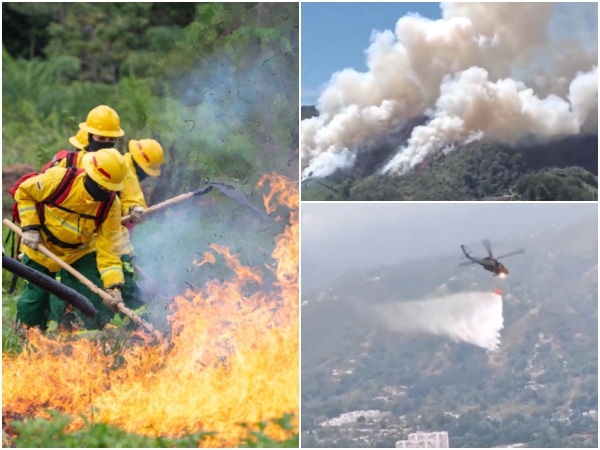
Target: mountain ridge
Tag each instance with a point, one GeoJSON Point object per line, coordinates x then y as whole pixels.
{"type": "Point", "coordinates": [474, 171]}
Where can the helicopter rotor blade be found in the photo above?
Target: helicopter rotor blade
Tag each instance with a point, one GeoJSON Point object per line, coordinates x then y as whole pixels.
{"type": "Point", "coordinates": [516, 252]}
{"type": "Point", "coordinates": [468, 263]}
{"type": "Point", "coordinates": [488, 246]}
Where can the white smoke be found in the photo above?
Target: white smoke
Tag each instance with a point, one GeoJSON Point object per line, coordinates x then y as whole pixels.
{"type": "Point", "coordinates": [472, 317]}
{"type": "Point", "coordinates": [328, 162]}
{"type": "Point", "coordinates": [497, 71]}
{"type": "Point", "coordinates": [471, 106]}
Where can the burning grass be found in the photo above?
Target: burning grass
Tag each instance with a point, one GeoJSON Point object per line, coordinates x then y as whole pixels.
{"type": "Point", "coordinates": [232, 357]}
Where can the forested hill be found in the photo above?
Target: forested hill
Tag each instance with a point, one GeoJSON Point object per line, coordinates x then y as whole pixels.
{"type": "Point", "coordinates": [564, 169]}
{"type": "Point", "coordinates": [538, 389]}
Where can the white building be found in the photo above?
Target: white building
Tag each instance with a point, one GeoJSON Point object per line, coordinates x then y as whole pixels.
{"type": "Point", "coordinates": [436, 439]}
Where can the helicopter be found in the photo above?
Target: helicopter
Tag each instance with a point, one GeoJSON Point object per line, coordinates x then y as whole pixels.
{"type": "Point", "coordinates": [489, 263]}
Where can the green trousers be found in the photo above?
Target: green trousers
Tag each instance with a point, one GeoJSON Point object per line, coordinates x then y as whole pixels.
{"type": "Point", "coordinates": [36, 306]}
{"type": "Point", "coordinates": [33, 306]}
{"type": "Point", "coordinates": [132, 296]}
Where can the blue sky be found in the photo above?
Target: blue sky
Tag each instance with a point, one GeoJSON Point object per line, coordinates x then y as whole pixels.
{"type": "Point", "coordinates": [335, 36]}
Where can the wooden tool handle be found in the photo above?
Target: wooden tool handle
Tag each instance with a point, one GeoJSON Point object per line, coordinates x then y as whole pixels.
{"type": "Point", "coordinates": [159, 206]}
{"type": "Point", "coordinates": [91, 286]}
{"type": "Point", "coordinates": [43, 249]}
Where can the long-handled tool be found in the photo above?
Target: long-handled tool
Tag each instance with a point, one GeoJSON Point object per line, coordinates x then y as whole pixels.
{"type": "Point", "coordinates": [105, 296]}
{"type": "Point", "coordinates": [170, 202]}
{"type": "Point", "coordinates": [49, 284]}
{"type": "Point", "coordinates": [225, 189]}
{"type": "Point", "coordinates": [232, 192]}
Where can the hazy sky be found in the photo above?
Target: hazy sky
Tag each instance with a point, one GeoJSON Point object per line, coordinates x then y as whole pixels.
{"type": "Point", "coordinates": [335, 36]}
{"type": "Point", "coordinates": [343, 236]}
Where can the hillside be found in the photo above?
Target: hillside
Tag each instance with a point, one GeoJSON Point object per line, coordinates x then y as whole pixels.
{"type": "Point", "coordinates": [539, 388]}
{"type": "Point", "coordinates": [474, 171]}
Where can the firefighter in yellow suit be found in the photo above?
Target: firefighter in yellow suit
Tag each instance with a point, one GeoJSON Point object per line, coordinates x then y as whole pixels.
{"type": "Point", "coordinates": [101, 129]}
{"type": "Point", "coordinates": [70, 231]}
{"type": "Point", "coordinates": [80, 140]}
{"type": "Point", "coordinates": [144, 159]}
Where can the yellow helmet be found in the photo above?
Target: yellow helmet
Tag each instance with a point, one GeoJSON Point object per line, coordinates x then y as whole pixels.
{"type": "Point", "coordinates": [80, 140]}
{"type": "Point", "coordinates": [103, 121]}
{"type": "Point", "coordinates": [148, 154]}
{"type": "Point", "coordinates": [106, 167]}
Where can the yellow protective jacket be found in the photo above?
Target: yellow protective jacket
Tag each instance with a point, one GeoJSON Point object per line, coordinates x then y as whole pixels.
{"type": "Point", "coordinates": [71, 227]}
{"type": "Point", "coordinates": [131, 195]}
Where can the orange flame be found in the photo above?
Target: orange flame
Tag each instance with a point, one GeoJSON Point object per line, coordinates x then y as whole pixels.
{"type": "Point", "coordinates": [232, 358]}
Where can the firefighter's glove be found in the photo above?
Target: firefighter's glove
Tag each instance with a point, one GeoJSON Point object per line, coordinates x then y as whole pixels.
{"type": "Point", "coordinates": [137, 214]}
{"type": "Point", "coordinates": [31, 238]}
{"type": "Point", "coordinates": [116, 298]}
{"type": "Point", "coordinates": [128, 267]}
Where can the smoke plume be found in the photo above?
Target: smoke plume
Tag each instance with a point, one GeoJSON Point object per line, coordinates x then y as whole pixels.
{"type": "Point", "coordinates": [502, 72]}
{"type": "Point", "coordinates": [225, 118]}
{"type": "Point", "coordinates": [473, 317]}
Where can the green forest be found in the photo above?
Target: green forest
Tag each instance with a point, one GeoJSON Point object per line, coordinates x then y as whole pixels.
{"type": "Point", "coordinates": [216, 84]}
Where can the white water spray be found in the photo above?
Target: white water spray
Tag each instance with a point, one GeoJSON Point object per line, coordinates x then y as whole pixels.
{"type": "Point", "coordinates": [472, 317]}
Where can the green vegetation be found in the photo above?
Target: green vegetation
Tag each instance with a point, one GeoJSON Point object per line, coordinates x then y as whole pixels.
{"type": "Point", "coordinates": [562, 170]}
{"type": "Point", "coordinates": [11, 343]}
{"type": "Point", "coordinates": [43, 433]}
{"type": "Point", "coordinates": [573, 183]}
{"type": "Point", "coordinates": [214, 83]}
{"type": "Point", "coordinates": [537, 389]}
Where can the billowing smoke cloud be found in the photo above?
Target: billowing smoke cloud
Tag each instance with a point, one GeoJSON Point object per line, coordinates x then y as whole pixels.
{"type": "Point", "coordinates": [473, 317]}
{"type": "Point", "coordinates": [472, 107]}
{"type": "Point", "coordinates": [496, 71]}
